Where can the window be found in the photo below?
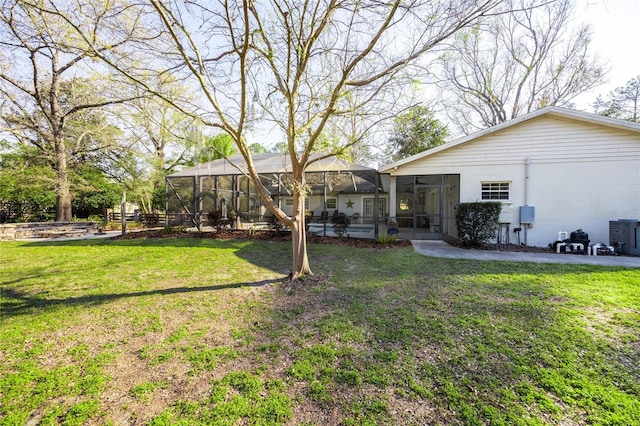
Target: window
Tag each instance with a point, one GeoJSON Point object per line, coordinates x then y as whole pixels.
{"type": "Point", "coordinates": [405, 204]}
{"type": "Point", "coordinates": [332, 203]}
{"type": "Point", "coordinates": [495, 190]}
{"type": "Point", "coordinates": [368, 208]}
{"type": "Point", "coordinates": [288, 202]}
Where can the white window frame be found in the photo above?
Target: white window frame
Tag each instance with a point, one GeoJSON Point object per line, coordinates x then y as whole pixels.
{"type": "Point", "coordinates": [367, 210]}
{"type": "Point", "coordinates": [288, 202]}
{"type": "Point", "coordinates": [332, 203]}
{"type": "Point", "coordinates": [495, 191]}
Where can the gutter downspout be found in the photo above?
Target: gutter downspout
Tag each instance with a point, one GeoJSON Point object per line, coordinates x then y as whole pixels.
{"type": "Point", "coordinates": [527, 170]}
{"type": "Point", "coordinates": [527, 167]}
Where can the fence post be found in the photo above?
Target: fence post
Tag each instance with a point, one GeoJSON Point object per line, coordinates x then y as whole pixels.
{"type": "Point", "coordinates": [123, 216]}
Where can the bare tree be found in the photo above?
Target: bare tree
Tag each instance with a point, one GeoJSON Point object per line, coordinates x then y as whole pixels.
{"type": "Point", "coordinates": [161, 139]}
{"type": "Point", "coordinates": [517, 62]}
{"type": "Point", "coordinates": [47, 84]}
{"type": "Point", "coordinates": [293, 63]}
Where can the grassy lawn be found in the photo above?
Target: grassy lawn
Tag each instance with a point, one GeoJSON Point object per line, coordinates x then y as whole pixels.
{"type": "Point", "coordinates": [186, 331]}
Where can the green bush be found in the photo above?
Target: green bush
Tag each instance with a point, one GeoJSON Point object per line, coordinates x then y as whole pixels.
{"type": "Point", "coordinates": [477, 222]}
{"type": "Point", "coordinates": [218, 221]}
{"type": "Point", "coordinates": [112, 226]}
{"type": "Point", "coordinates": [340, 223]}
{"type": "Point", "coordinates": [215, 219]}
{"type": "Point", "coordinates": [96, 218]}
{"type": "Point", "coordinates": [384, 239]}
{"type": "Point", "coordinates": [135, 225]}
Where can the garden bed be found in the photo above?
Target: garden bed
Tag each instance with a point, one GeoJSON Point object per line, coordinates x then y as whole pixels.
{"type": "Point", "coordinates": [228, 234]}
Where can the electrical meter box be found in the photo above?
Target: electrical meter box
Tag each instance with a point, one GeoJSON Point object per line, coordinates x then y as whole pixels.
{"type": "Point", "coordinates": [526, 214]}
{"type": "Point", "coordinates": [506, 214]}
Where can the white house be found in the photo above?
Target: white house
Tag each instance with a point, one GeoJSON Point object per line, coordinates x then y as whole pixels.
{"type": "Point", "coordinates": [568, 169]}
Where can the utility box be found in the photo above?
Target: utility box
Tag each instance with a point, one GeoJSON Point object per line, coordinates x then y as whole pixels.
{"type": "Point", "coordinates": [526, 214]}
{"type": "Point", "coordinates": [506, 214]}
{"type": "Point", "coordinates": [625, 234]}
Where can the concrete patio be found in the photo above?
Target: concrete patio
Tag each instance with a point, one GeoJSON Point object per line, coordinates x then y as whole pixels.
{"type": "Point", "coordinates": [442, 249]}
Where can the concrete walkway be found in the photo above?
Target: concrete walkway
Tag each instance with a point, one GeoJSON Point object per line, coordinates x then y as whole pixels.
{"type": "Point", "coordinates": [442, 249]}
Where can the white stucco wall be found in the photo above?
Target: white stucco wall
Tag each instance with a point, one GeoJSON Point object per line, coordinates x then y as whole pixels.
{"type": "Point", "coordinates": [582, 175]}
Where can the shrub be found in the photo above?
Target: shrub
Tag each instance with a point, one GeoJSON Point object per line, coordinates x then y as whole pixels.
{"type": "Point", "coordinates": [95, 218]}
{"type": "Point", "coordinates": [218, 221]}
{"type": "Point", "coordinates": [385, 239]}
{"type": "Point", "coordinates": [477, 222]}
{"type": "Point", "coordinates": [112, 226]}
{"type": "Point", "coordinates": [215, 218]}
{"type": "Point", "coordinates": [340, 223]}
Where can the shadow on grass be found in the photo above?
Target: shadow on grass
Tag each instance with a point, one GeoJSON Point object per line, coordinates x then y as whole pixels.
{"type": "Point", "coordinates": [18, 302]}
{"type": "Point", "coordinates": [455, 351]}
{"type": "Point", "coordinates": [276, 256]}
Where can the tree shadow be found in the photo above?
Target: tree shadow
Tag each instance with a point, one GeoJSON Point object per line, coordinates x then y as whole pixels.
{"type": "Point", "coordinates": [472, 341]}
{"type": "Point", "coordinates": [18, 302]}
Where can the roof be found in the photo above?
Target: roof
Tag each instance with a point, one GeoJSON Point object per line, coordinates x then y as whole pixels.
{"type": "Point", "coordinates": [268, 164]}
{"type": "Point", "coordinates": [552, 111]}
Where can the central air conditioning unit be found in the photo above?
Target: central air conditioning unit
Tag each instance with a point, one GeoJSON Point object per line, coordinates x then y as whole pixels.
{"type": "Point", "coordinates": [624, 234]}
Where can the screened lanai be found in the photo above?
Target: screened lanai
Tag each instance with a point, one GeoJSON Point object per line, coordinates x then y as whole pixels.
{"type": "Point", "coordinates": [223, 186]}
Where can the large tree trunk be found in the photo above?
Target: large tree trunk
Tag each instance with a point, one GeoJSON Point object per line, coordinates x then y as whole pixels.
{"type": "Point", "coordinates": [63, 204]}
{"type": "Point", "coordinates": [299, 248]}
{"type": "Point", "coordinates": [63, 193]}
{"type": "Point", "coordinates": [298, 231]}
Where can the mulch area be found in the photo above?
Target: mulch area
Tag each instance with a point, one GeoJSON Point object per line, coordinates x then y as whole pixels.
{"type": "Point", "coordinates": [260, 235]}
{"type": "Point", "coordinates": [239, 234]}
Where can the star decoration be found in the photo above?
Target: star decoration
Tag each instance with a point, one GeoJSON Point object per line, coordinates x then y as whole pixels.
{"type": "Point", "coordinates": [349, 204]}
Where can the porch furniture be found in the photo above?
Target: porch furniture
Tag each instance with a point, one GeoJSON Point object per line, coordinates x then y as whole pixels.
{"type": "Point", "coordinates": [324, 217]}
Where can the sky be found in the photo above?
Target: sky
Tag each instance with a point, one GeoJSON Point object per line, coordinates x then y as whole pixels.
{"type": "Point", "coordinates": [616, 38]}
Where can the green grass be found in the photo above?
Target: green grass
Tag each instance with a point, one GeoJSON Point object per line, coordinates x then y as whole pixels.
{"type": "Point", "coordinates": [188, 331]}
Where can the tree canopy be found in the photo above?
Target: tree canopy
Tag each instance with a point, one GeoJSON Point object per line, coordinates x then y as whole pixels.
{"type": "Point", "coordinates": [415, 131]}
{"type": "Point", "coordinates": [28, 187]}
{"type": "Point", "coordinates": [623, 102]}
{"type": "Point", "coordinates": [52, 95]}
